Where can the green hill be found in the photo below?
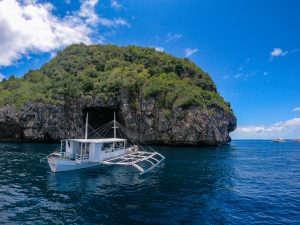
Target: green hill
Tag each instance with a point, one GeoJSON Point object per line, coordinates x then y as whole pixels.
{"type": "Point", "coordinates": [102, 71]}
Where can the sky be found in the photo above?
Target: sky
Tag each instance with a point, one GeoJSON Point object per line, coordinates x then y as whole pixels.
{"type": "Point", "coordinates": [250, 48]}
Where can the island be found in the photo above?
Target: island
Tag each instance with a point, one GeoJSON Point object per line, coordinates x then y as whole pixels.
{"type": "Point", "coordinates": [159, 98]}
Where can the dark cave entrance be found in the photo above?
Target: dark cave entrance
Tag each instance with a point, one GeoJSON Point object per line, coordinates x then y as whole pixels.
{"type": "Point", "coordinates": [99, 116]}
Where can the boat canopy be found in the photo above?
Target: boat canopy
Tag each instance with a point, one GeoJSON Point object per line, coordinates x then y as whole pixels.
{"type": "Point", "coordinates": [101, 140]}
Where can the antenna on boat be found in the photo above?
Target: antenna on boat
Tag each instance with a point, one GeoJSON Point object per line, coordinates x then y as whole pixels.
{"type": "Point", "coordinates": [115, 125]}
{"type": "Point", "coordinates": [115, 131]}
{"type": "Point", "coordinates": [86, 125]}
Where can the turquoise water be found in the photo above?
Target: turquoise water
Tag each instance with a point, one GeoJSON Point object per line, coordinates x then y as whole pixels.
{"type": "Point", "coordinates": [245, 182]}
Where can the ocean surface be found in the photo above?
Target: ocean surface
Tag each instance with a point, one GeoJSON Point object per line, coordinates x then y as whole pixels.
{"type": "Point", "coordinates": [245, 182]}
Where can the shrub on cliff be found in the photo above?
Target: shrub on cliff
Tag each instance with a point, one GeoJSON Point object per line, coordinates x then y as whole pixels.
{"type": "Point", "coordinates": [102, 71]}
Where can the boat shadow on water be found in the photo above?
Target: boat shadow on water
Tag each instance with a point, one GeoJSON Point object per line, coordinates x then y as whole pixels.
{"type": "Point", "coordinates": [97, 178]}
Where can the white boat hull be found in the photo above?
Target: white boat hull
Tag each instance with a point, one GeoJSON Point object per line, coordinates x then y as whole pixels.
{"type": "Point", "coordinates": [59, 165]}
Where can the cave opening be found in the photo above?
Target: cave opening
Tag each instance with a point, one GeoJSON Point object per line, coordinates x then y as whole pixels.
{"type": "Point", "coordinates": [99, 116]}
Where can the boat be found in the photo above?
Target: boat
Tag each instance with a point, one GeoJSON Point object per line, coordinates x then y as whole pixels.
{"type": "Point", "coordinates": [296, 140]}
{"type": "Point", "coordinates": [87, 152]}
{"type": "Point", "coordinates": [279, 140]}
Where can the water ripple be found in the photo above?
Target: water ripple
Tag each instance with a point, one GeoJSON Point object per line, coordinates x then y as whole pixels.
{"type": "Point", "coordinates": [247, 182]}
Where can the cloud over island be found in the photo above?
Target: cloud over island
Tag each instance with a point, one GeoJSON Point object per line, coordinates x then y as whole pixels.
{"type": "Point", "coordinates": [32, 27]}
{"type": "Point", "coordinates": [190, 51]}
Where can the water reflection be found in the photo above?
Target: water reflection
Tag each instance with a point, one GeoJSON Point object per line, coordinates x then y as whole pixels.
{"type": "Point", "coordinates": [96, 179]}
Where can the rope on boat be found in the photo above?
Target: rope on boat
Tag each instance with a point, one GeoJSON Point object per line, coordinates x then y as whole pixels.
{"type": "Point", "coordinates": [100, 130]}
{"type": "Point", "coordinates": [136, 142]}
{"type": "Point", "coordinates": [122, 131]}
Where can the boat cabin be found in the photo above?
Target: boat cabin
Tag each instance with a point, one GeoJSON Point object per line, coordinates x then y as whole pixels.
{"type": "Point", "coordinates": [92, 150]}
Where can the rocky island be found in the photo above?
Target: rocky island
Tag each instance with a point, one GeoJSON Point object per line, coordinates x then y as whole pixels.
{"type": "Point", "coordinates": [159, 98]}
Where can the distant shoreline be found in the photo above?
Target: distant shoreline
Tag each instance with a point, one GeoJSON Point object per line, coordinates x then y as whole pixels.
{"type": "Point", "coordinates": [287, 140]}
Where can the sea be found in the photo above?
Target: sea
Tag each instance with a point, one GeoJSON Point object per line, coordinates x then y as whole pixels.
{"type": "Point", "coordinates": [244, 182]}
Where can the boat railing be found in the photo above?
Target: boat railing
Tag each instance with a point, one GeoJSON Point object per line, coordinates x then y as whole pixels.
{"type": "Point", "coordinates": [106, 150]}
{"type": "Point", "coordinates": [59, 150]}
{"type": "Point", "coordinates": [82, 157]}
{"type": "Point", "coordinates": [68, 155]}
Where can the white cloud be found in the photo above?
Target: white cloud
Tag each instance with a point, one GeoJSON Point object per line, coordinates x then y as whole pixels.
{"type": "Point", "coordinates": [289, 123]}
{"type": "Point", "coordinates": [87, 11]}
{"type": "Point", "coordinates": [225, 77]}
{"type": "Point", "coordinates": [238, 75]}
{"type": "Point", "coordinates": [52, 54]}
{"type": "Point", "coordinates": [115, 4]}
{"type": "Point", "coordinates": [171, 36]}
{"type": "Point", "coordinates": [277, 52]}
{"type": "Point", "coordinates": [243, 76]}
{"type": "Point", "coordinates": [121, 22]}
{"type": "Point", "coordinates": [1, 77]}
{"type": "Point", "coordinates": [31, 27]}
{"type": "Point", "coordinates": [297, 109]}
{"type": "Point", "coordinates": [190, 51]}
{"type": "Point", "coordinates": [280, 129]}
{"type": "Point", "coordinates": [251, 129]}
{"type": "Point", "coordinates": [114, 22]}
{"type": "Point", "coordinates": [159, 49]}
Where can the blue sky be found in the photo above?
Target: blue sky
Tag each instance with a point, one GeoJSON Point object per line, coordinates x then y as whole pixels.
{"type": "Point", "coordinates": [250, 48]}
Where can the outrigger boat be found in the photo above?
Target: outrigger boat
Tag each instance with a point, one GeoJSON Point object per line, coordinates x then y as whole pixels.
{"type": "Point", "coordinates": [279, 140]}
{"type": "Point", "coordinates": [76, 154]}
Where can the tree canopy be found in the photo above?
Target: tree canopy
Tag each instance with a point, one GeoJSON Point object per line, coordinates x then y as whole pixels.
{"type": "Point", "coordinates": [102, 71]}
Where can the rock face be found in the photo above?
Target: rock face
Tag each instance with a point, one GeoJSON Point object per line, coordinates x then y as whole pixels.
{"type": "Point", "coordinates": [37, 121]}
{"type": "Point", "coordinates": [159, 99]}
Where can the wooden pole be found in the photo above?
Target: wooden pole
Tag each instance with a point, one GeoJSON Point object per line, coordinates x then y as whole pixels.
{"type": "Point", "coordinates": [86, 125]}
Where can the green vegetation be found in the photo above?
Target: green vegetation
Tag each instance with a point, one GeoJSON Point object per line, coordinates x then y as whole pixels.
{"type": "Point", "coordinates": [102, 71]}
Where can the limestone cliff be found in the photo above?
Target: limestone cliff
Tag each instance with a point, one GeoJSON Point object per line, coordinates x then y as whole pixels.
{"type": "Point", "coordinates": [171, 103]}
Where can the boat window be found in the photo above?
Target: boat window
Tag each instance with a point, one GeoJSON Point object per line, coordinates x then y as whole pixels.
{"type": "Point", "coordinates": [87, 148]}
{"type": "Point", "coordinates": [106, 146]}
{"type": "Point", "coordinates": [119, 145]}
